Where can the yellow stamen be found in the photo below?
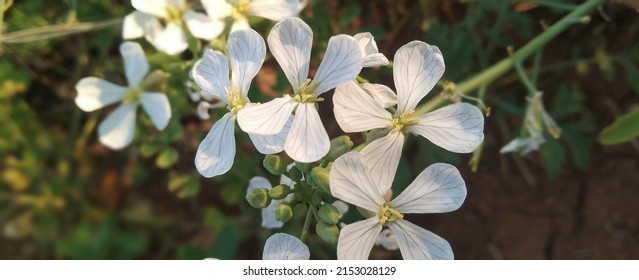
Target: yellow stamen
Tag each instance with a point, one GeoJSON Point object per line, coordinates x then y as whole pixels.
{"type": "Point", "coordinates": [389, 214]}
{"type": "Point", "coordinates": [132, 96]}
{"type": "Point", "coordinates": [240, 9]}
{"type": "Point", "coordinates": [405, 119]}
{"type": "Point", "coordinates": [306, 93]}
{"type": "Point", "coordinates": [236, 100]}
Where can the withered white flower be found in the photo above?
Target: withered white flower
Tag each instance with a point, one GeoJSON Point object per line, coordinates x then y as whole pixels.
{"type": "Point", "coordinates": [282, 246]}
{"type": "Point", "coordinates": [238, 10]}
{"type": "Point", "coordinates": [290, 42]}
{"type": "Point", "coordinates": [416, 70]}
{"type": "Point", "coordinates": [116, 131]}
{"type": "Point", "coordinates": [438, 189]}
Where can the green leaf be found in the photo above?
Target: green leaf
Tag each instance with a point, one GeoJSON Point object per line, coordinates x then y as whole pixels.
{"type": "Point", "coordinates": [167, 158]}
{"type": "Point", "coordinates": [623, 129]}
{"type": "Point", "coordinates": [148, 150]}
{"type": "Point", "coordinates": [184, 185]}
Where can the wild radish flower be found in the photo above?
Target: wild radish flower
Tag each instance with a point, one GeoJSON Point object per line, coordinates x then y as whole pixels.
{"type": "Point", "coordinates": [167, 34]}
{"type": "Point", "coordinates": [268, 213]}
{"type": "Point", "coordinates": [247, 51]}
{"type": "Point", "coordinates": [438, 189]}
{"type": "Point", "coordinates": [238, 10]}
{"type": "Point", "coordinates": [417, 68]}
{"type": "Point", "coordinates": [282, 246]}
{"type": "Point", "coordinates": [290, 42]}
{"type": "Point", "coordinates": [370, 54]}
{"type": "Point", "coordinates": [116, 131]}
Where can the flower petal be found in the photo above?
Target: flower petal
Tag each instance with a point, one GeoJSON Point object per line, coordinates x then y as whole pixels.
{"type": "Point", "coordinates": [416, 243]}
{"type": "Point", "coordinates": [438, 189]}
{"type": "Point", "coordinates": [342, 62]}
{"type": "Point", "coordinates": [170, 40]}
{"type": "Point", "coordinates": [202, 26]}
{"type": "Point", "coordinates": [216, 153]}
{"type": "Point", "coordinates": [417, 68]}
{"type": "Point", "coordinates": [357, 239]}
{"type": "Point", "coordinates": [458, 128]}
{"type": "Point", "coordinates": [217, 9]}
{"type": "Point", "coordinates": [356, 111]}
{"type": "Point", "coordinates": [341, 207]}
{"type": "Point", "coordinates": [282, 246]}
{"type": "Point", "coordinates": [268, 118]}
{"type": "Point", "coordinates": [135, 64]}
{"type": "Point", "coordinates": [154, 7]}
{"type": "Point", "coordinates": [157, 106]}
{"type": "Point", "coordinates": [275, 10]}
{"type": "Point", "coordinates": [307, 141]}
{"type": "Point", "coordinates": [370, 54]}
{"type": "Point", "coordinates": [240, 23]}
{"type": "Point", "coordinates": [116, 131]}
{"type": "Point", "coordinates": [272, 144]}
{"type": "Point", "coordinates": [211, 74]}
{"type": "Point", "coordinates": [290, 42]}
{"type": "Point", "coordinates": [268, 213]}
{"type": "Point", "coordinates": [387, 239]}
{"type": "Point", "coordinates": [95, 93]}
{"type": "Point", "coordinates": [134, 24]}
{"type": "Point", "coordinates": [246, 54]}
{"type": "Point", "coordinates": [351, 182]}
{"type": "Point", "coordinates": [382, 159]}
{"type": "Point", "coordinates": [381, 93]}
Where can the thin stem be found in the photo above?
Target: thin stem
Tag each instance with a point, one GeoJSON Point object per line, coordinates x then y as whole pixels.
{"type": "Point", "coordinates": [56, 31]}
{"type": "Point", "coordinates": [524, 79]}
{"type": "Point", "coordinates": [307, 223]}
{"type": "Point", "coordinates": [537, 66]}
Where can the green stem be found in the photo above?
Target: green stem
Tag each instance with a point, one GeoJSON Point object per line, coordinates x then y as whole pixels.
{"type": "Point", "coordinates": [307, 223]}
{"type": "Point", "coordinates": [55, 31]}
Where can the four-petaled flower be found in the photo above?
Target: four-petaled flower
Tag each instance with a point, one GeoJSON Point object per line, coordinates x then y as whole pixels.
{"type": "Point", "coordinates": [238, 10]}
{"type": "Point", "coordinates": [116, 131]}
{"type": "Point", "coordinates": [417, 68]}
{"type": "Point", "coordinates": [216, 153]}
{"type": "Point", "coordinates": [290, 42]}
{"type": "Point", "coordinates": [438, 189]}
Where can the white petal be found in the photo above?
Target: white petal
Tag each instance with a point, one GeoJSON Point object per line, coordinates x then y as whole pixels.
{"type": "Point", "coordinates": [95, 93]}
{"type": "Point", "coordinates": [286, 180]}
{"type": "Point", "coordinates": [351, 182]}
{"type": "Point", "coordinates": [381, 93]}
{"type": "Point", "coordinates": [268, 118]}
{"type": "Point", "coordinates": [135, 64]}
{"type": "Point", "coordinates": [290, 42]}
{"type": "Point", "coordinates": [275, 10]}
{"type": "Point", "coordinates": [240, 23]}
{"type": "Point", "coordinates": [211, 74]}
{"type": "Point", "coordinates": [370, 53]}
{"type": "Point", "coordinates": [416, 243]}
{"type": "Point", "coordinates": [458, 128]}
{"type": "Point", "coordinates": [134, 24]}
{"type": "Point", "coordinates": [342, 62]}
{"type": "Point", "coordinates": [157, 106]}
{"type": "Point", "coordinates": [281, 246]}
{"type": "Point", "coordinates": [382, 159]}
{"type": "Point", "coordinates": [246, 54]}
{"type": "Point", "coordinates": [357, 239]}
{"type": "Point", "coordinates": [216, 153]}
{"type": "Point", "coordinates": [217, 9]}
{"type": "Point", "coordinates": [387, 239]}
{"type": "Point", "coordinates": [356, 111]}
{"type": "Point", "coordinates": [268, 213]}
{"type": "Point", "coordinates": [202, 26]}
{"type": "Point", "coordinates": [272, 144]}
{"type": "Point", "coordinates": [116, 131]}
{"type": "Point", "coordinates": [438, 189]}
{"type": "Point", "coordinates": [154, 7]}
{"type": "Point", "coordinates": [307, 141]}
{"type": "Point", "coordinates": [203, 110]}
{"type": "Point", "coordinates": [417, 68]}
{"type": "Point", "coordinates": [170, 40]}
{"type": "Point", "coordinates": [341, 207]}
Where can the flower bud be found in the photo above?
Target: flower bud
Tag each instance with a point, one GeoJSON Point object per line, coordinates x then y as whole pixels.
{"type": "Point", "coordinates": [295, 174]}
{"type": "Point", "coordinates": [258, 197]}
{"type": "Point", "coordinates": [328, 214]}
{"type": "Point", "coordinates": [316, 198]}
{"type": "Point", "coordinates": [326, 232]}
{"type": "Point", "coordinates": [283, 212]}
{"type": "Point", "coordinates": [319, 176]}
{"type": "Point", "coordinates": [274, 164]}
{"type": "Point", "coordinates": [339, 146]}
{"type": "Point", "coordinates": [304, 167]}
{"type": "Point", "coordinates": [155, 82]}
{"type": "Point", "coordinates": [300, 210]}
{"type": "Point", "coordinates": [280, 191]}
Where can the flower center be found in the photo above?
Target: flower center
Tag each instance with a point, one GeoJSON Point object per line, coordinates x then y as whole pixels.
{"type": "Point", "coordinates": [389, 214]}
{"type": "Point", "coordinates": [236, 100]}
{"type": "Point", "coordinates": [307, 93]}
{"type": "Point", "coordinates": [132, 95]}
{"type": "Point", "coordinates": [405, 119]}
{"type": "Point", "coordinates": [240, 9]}
{"type": "Point", "coordinates": [174, 14]}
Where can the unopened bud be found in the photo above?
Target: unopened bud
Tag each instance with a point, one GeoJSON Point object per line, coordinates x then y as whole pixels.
{"type": "Point", "coordinates": [319, 176]}
{"type": "Point", "coordinates": [304, 167]}
{"type": "Point", "coordinates": [280, 191]}
{"type": "Point", "coordinates": [328, 214]}
{"type": "Point", "coordinates": [316, 198]}
{"type": "Point", "coordinates": [339, 146]}
{"type": "Point", "coordinates": [258, 198]}
{"type": "Point", "coordinates": [155, 82]}
{"type": "Point", "coordinates": [295, 174]}
{"type": "Point", "coordinates": [283, 212]}
{"type": "Point", "coordinates": [300, 210]}
{"type": "Point", "coordinates": [326, 232]}
{"type": "Point", "coordinates": [274, 164]}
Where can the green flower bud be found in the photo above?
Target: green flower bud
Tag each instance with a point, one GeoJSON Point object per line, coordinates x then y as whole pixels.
{"type": "Point", "coordinates": [155, 82]}
{"type": "Point", "coordinates": [316, 198]}
{"type": "Point", "coordinates": [328, 214]}
{"type": "Point", "coordinates": [304, 167]}
{"type": "Point", "coordinates": [280, 191]}
{"type": "Point", "coordinates": [295, 174]}
{"type": "Point", "coordinates": [274, 164]}
{"type": "Point", "coordinates": [339, 146]}
{"type": "Point", "coordinates": [258, 198]}
{"type": "Point", "coordinates": [283, 212]}
{"type": "Point", "coordinates": [326, 232]}
{"type": "Point", "coordinates": [319, 176]}
{"type": "Point", "coordinates": [300, 210]}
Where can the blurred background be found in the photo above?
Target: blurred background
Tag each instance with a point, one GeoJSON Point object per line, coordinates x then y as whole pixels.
{"type": "Point", "coordinates": [63, 195]}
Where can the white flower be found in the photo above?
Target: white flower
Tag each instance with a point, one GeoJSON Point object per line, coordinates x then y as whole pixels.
{"type": "Point", "coordinates": [370, 54]}
{"type": "Point", "coordinates": [170, 37]}
{"type": "Point", "coordinates": [238, 10]}
{"type": "Point", "coordinates": [117, 130]}
{"type": "Point", "coordinates": [268, 213]}
{"type": "Point", "coordinates": [290, 42]}
{"type": "Point", "coordinates": [438, 189]}
{"type": "Point", "coordinates": [247, 51]}
{"type": "Point", "coordinates": [417, 68]}
{"type": "Point", "coordinates": [282, 246]}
